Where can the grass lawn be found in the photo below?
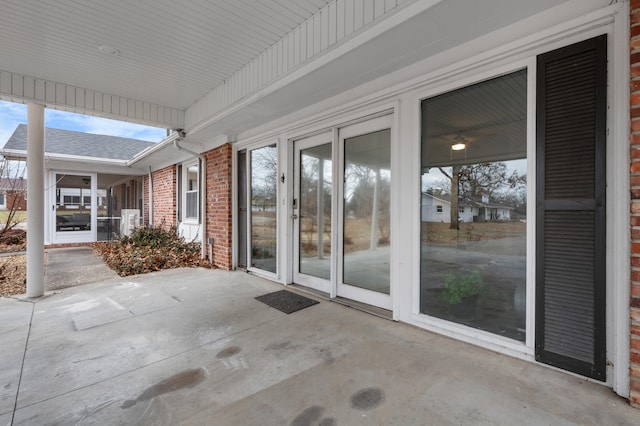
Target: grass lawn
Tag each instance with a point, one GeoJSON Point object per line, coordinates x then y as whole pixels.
{"type": "Point", "coordinates": [21, 216]}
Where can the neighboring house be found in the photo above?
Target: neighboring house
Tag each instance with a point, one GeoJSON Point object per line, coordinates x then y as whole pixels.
{"type": "Point", "coordinates": [13, 193]}
{"type": "Point", "coordinates": [300, 158]}
{"type": "Point", "coordinates": [437, 208]}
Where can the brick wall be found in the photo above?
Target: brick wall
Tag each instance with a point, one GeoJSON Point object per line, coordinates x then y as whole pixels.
{"type": "Point", "coordinates": [16, 200]}
{"type": "Point", "coordinates": [164, 196]}
{"type": "Point", "coordinates": [219, 204]}
{"type": "Point", "coordinates": [635, 204]}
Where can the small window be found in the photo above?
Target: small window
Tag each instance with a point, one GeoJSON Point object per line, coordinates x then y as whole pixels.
{"type": "Point", "coordinates": [460, 209]}
{"type": "Point", "coordinates": [3, 201]}
{"type": "Point", "coordinates": [71, 200]}
{"type": "Point", "coordinates": [191, 192]}
{"type": "Point", "coordinates": [439, 209]}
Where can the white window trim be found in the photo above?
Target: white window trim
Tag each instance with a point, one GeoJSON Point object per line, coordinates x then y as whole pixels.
{"type": "Point", "coordinates": [183, 193]}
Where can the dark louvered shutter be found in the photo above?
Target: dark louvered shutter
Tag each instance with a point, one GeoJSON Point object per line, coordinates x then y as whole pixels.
{"type": "Point", "coordinates": [570, 235]}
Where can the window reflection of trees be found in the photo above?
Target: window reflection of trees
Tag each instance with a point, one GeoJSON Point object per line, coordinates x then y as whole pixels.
{"type": "Point", "coordinates": [264, 186]}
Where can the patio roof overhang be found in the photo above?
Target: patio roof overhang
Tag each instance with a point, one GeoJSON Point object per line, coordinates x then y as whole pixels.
{"type": "Point", "coordinates": [221, 68]}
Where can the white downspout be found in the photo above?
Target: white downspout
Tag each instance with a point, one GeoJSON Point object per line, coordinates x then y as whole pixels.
{"type": "Point", "coordinates": [203, 197]}
{"type": "Point", "coordinates": [150, 198]}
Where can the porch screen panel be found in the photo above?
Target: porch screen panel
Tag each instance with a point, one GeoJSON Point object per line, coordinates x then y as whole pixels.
{"type": "Point", "coordinates": [570, 288]}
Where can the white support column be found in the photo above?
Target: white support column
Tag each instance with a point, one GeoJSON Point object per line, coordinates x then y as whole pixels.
{"type": "Point", "coordinates": [35, 200]}
{"type": "Point", "coordinates": [374, 214]}
{"type": "Point", "coordinates": [320, 209]}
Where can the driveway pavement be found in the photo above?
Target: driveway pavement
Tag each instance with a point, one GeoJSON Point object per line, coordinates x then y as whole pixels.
{"type": "Point", "coordinates": [193, 346]}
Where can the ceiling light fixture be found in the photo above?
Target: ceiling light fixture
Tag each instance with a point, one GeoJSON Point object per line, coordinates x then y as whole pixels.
{"type": "Point", "coordinates": [459, 143]}
{"type": "Point", "coordinates": [108, 50]}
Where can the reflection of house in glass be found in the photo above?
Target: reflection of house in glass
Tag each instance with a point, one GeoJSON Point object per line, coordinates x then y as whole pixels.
{"type": "Point", "coordinates": [437, 208]}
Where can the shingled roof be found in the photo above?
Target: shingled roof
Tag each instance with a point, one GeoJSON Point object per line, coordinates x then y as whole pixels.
{"type": "Point", "coordinates": [67, 142]}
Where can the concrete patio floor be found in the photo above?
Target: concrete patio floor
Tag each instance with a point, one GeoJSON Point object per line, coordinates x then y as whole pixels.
{"type": "Point", "coordinates": [193, 346]}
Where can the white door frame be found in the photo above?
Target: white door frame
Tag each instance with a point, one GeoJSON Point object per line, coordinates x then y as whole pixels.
{"type": "Point", "coordinates": [345, 290]}
{"type": "Point", "coordinates": [73, 236]}
{"type": "Point", "coordinates": [306, 280]}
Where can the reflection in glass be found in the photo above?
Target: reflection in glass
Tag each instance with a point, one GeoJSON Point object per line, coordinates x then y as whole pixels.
{"type": "Point", "coordinates": [264, 181]}
{"type": "Point", "coordinates": [367, 191]}
{"type": "Point", "coordinates": [315, 211]}
{"type": "Point", "coordinates": [191, 193]}
{"type": "Point", "coordinates": [73, 203]}
{"type": "Point", "coordinates": [473, 206]}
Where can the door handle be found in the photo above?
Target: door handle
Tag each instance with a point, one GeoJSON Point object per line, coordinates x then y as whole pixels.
{"type": "Point", "coordinates": [294, 216]}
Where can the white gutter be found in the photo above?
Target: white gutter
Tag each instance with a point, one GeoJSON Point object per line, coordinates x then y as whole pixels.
{"type": "Point", "coordinates": [203, 192]}
{"type": "Point", "coordinates": [164, 143]}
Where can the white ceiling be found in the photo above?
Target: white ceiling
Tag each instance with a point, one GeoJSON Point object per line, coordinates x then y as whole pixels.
{"type": "Point", "coordinates": [171, 52]}
{"type": "Point", "coordinates": [175, 52]}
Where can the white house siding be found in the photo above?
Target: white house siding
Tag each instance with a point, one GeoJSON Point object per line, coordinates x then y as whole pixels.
{"type": "Point", "coordinates": [332, 25]}
{"type": "Point", "coordinates": [190, 231]}
{"type": "Point", "coordinates": [430, 211]}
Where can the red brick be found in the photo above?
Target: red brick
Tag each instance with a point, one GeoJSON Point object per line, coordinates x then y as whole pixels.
{"type": "Point", "coordinates": [634, 399]}
{"type": "Point", "coordinates": [635, 291]}
{"type": "Point", "coordinates": [219, 215]}
{"type": "Point", "coordinates": [635, 344]}
{"type": "Point", "coordinates": [635, 357]}
{"type": "Point", "coordinates": [634, 314]}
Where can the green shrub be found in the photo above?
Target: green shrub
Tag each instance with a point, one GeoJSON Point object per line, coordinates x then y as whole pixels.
{"type": "Point", "coordinates": [461, 285]}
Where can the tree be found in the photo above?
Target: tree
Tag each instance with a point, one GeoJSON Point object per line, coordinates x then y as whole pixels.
{"type": "Point", "coordinates": [474, 180]}
{"type": "Point", "coordinates": [487, 178]}
{"type": "Point", "coordinates": [14, 191]}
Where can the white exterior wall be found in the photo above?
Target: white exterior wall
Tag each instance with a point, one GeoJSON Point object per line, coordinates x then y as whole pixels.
{"type": "Point", "coordinates": [430, 212]}
{"type": "Point", "coordinates": [400, 93]}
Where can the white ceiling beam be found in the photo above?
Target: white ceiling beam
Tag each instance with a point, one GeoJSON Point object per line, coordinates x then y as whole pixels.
{"type": "Point", "coordinates": [19, 88]}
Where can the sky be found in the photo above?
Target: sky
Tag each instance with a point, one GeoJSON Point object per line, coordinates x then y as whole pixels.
{"type": "Point", "coordinates": [12, 114]}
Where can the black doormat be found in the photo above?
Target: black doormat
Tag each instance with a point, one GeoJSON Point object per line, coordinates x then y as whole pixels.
{"type": "Point", "coordinates": [285, 301]}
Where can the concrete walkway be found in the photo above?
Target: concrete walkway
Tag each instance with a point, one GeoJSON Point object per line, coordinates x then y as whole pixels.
{"type": "Point", "coordinates": [68, 267]}
{"type": "Point", "coordinates": [193, 347]}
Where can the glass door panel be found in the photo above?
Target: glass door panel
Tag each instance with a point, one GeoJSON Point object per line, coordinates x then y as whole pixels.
{"type": "Point", "coordinates": [264, 181]}
{"type": "Point", "coordinates": [366, 227]}
{"type": "Point", "coordinates": [312, 212]}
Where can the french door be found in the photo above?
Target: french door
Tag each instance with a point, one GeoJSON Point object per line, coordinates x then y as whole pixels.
{"type": "Point", "coordinates": [341, 212]}
{"type": "Point", "coordinates": [312, 213]}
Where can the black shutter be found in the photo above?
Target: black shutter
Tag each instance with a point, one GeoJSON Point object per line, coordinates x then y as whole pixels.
{"type": "Point", "coordinates": [570, 227]}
